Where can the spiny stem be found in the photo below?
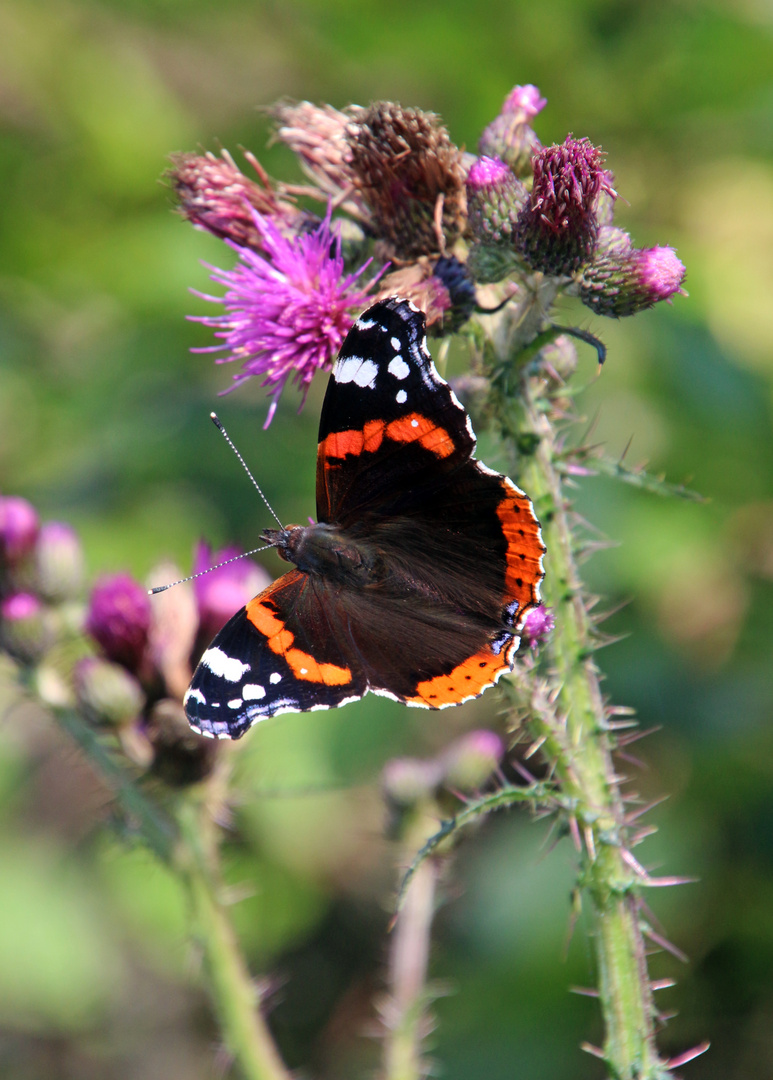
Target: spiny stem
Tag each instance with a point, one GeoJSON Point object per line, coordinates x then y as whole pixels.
{"type": "Point", "coordinates": [235, 996]}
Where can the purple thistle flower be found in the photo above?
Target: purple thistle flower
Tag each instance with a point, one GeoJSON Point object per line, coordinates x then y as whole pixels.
{"type": "Point", "coordinates": [59, 561]}
{"type": "Point", "coordinates": [24, 632]}
{"type": "Point", "coordinates": [558, 226]}
{"type": "Point", "coordinates": [222, 592]}
{"type": "Point", "coordinates": [119, 618]}
{"type": "Point", "coordinates": [509, 136]}
{"type": "Point", "coordinates": [288, 311]}
{"type": "Point", "coordinates": [526, 100]}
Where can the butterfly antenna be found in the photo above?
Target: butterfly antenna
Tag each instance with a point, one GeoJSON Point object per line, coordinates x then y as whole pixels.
{"type": "Point", "coordinates": [227, 437]}
{"type": "Point", "coordinates": [201, 573]}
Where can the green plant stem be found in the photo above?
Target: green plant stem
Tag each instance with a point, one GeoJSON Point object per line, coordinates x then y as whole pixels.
{"type": "Point", "coordinates": [576, 730]}
{"type": "Point", "coordinates": [405, 1011]}
{"type": "Point", "coordinates": [235, 996]}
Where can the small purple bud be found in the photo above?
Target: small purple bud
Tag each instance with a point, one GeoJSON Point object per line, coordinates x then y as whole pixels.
{"type": "Point", "coordinates": [119, 618]}
{"type": "Point", "coordinates": [58, 562]}
{"type": "Point", "coordinates": [407, 781]}
{"type": "Point", "coordinates": [510, 136]}
{"type": "Point", "coordinates": [495, 197]}
{"type": "Point", "coordinates": [470, 760]}
{"type": "Point", "coordinates": [106, 692]}
{"type": "Point", "coordinates": [18, 528]}
{"type": "Point", "coordinates": [526, 100]}
{"type": "Point", "coordinates": [558, 227]}
{"type": "Point", "coordinates": [24, 631]}
{"type": "Point", "coordinates": [537, 625]}
{"type": "Point", "coordinates": [621, 280]}
{"type": "Point", "coordinates": [220, 593]}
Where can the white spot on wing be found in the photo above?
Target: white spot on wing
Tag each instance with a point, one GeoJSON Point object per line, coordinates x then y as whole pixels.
{"type": "Point", "coordinates": [235, 703]}
{"type": "Point", "coordinates": [398, 368]}
{"type": "Point", "coordinates": [227, 667]}
{"type": "Point", "coordinates": [401, 397]}
{"type": "Point", "coordinates": [253, 692]}
{"type": "Point", "coordinates": [274, 677]}
{"type": "Point", "coordinates": [365, 324]}
{"type": "Point", "coordinates": [396, 343]}
{"type": "Point", "coordinates": [358, 370]}
{"type": "Point", "coordinates": [414, 423]}
{"type": "Point", "coordinates": [196, 695]}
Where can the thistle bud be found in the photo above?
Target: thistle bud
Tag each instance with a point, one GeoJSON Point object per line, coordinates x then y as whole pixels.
{"type": "Point", "coordinates": [25, 633]}
{"type": "Point", "coordinates": [558, 227]}
{"type": "Point", "coordinates": [18, 528]}
{"type": "Point", "coordinates": [469, 761]}
{"type": "Point", "coordinates": [495, 197]}
{"type": "Point", "coordinates": [180, 755]}
{"type": "Point", "coordinates": [510, 136]}
{"type": "Point", "coordinates": [215, 195]}
{"type": "Point", "coordinates": [537, 626]}
{"type": "Point", "coordinates": [407, 781]}
{"type": "Point", "coordinates": [119, 619]}
{"type": "Point", "coordinates": [407, 171]}
{"type": "Point", "coordinates": [58, 562]}
{"type": "Point", "coordinates": [622, 280]}
{"type": "Point", "coordinates": [106, 692]}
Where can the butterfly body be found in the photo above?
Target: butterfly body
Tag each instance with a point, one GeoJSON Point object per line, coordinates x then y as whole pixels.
{"type": "Point", "coordinates": [415, 579]}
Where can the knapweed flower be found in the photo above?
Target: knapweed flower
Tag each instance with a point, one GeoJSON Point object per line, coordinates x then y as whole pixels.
{"type": "Point", "coordinates": [558, 226]}
{"type": "Point", "coordinates": [411, 177]}
{"type": "Point", "coordinates": [118, 619]}
{"type": "Point", "coordinates": [288, 310]}
{"type": "Point", "coordinates": [216, 196]}
{"type": "Point", "coordinates": [221, 592]}
{"type": "Point", "coordinates": [510, 136]}
{"type": "Point", "coordinates": [19, 527]}
{"type": "Point", "coordinates": [537, 626]}
{"type": "Point", "coordinates": [622, 280]}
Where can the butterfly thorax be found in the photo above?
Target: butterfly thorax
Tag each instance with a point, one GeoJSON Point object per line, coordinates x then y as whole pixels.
{"type": "Point", "coordinates": [326, 551]}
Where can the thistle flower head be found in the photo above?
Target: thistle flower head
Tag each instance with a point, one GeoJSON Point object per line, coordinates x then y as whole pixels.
{"type": "Point", "coordinates": [317, 134]}
{"type": "Point", "coordinates": [216, 196]}
{"type": "Point", "coordinates": [509, 136]}
{"type": "Point", "coordinates": [288, 310]}
{"type": "Point", "coordinates": [558, 226]}
{"type": "Point", "coordinates": [19, 526]}
{"type": "Point", "coordinates": [118, 619]}
{"type": "Point", "coordinates": [471, 759]}
{"type": "Point", "coordinates": [106, 692]}
{"type": "Point", "coordinates": [24, 632]}
{"type": "Point", "coordinates": [223, 591]}
{"type": "Point", "coordinates": [623, 280]}
{"type": "Point", "coordinates": [411, 177]}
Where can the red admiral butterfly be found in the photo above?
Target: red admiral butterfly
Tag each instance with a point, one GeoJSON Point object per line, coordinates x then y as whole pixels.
{"type": "Point", "coordinates": [415, 580]}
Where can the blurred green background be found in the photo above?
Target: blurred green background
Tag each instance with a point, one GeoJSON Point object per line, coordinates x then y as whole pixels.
{"type": "Point", "coordinates": [103, 423]}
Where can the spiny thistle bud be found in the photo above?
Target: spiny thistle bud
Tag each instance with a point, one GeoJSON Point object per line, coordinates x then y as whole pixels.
{"type": "Point", "coordinates": [58, 562]}
{"type": "Point", "coordinates": [510, 136]}
{"type": "Point", "coordinates": [469, 761]}
{"type": "Point", "coordinates": [558, 227]}
{"type": "Point", "coordinates": [18, 528]}
{"type": "Point", "coordinates": [622, 280]}
{"type": "Point", "coordinates": [216, 196]}
{"type": "Point", "coordinates": [180, 755]}
{"type": "Point", "coordinates": [410, 175]}
{"type": "Point", "coordinates": [119, 619]}
{"type": "Point", "coordinates": [25, 633]}
{"type": "Point", "coordinates": [537, 626]}
{"type": "Point", "coordinates": [495, 197]}
{"type": "Point", "coordinates": [106, 692]}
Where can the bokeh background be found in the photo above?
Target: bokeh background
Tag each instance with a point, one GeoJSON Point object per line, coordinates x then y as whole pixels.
{"type": "Point", "coordinates": [103, 423]}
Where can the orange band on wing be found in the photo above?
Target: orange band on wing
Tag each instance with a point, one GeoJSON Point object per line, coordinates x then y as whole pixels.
{"type": "Point", "coordinates": [408, 429]}
{"type": "Point", "coordinates": [467, 680]}
{"type": "Point", "coordinates": [279, 639]}
{"type": "Point", "coordinates": [524, 549]}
